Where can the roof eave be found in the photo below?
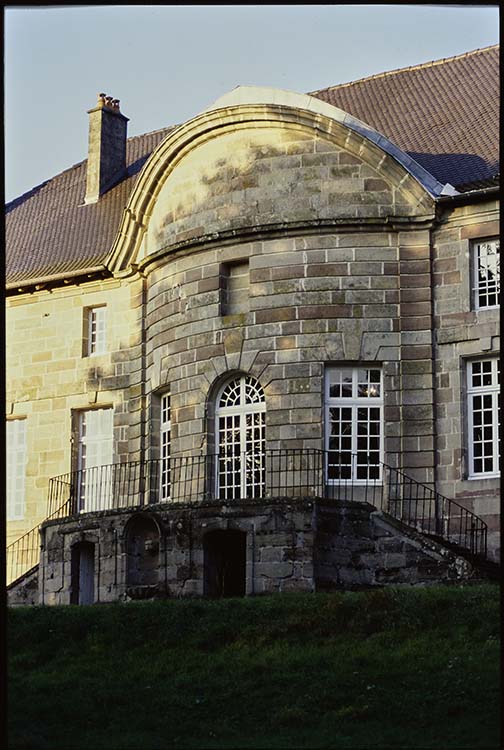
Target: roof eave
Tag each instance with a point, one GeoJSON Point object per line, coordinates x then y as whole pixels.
{"type": "Point", "coordinates": [30, 285]}
{"type": "Point", "coordinates": [471, 196]}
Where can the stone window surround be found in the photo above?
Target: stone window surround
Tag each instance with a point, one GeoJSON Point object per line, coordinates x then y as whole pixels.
{"type": "Point", "coordinates": [238, 414]}
{"type": "Point", "coordinates": [77, 443]}
{"type": "Point", "coordinates": [354, 403]}
{"type": "Point", "coordinates": [467, 392]}
{"type": "Point", "coordinates": [94, 336]}
{"type": "Point", "coordinates": [475, 285]}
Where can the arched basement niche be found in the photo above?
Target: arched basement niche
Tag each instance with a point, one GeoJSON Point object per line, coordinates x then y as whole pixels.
{"type": "Point", "coordinates": [142, 552]}
{"type": "Point", "coordinates": [224, 563]}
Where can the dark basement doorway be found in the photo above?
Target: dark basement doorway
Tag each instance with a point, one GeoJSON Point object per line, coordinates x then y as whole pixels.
{"type": "Point", "coordinates": [82, 573]}
{"type": "Point", "coordinates": [224, 560]}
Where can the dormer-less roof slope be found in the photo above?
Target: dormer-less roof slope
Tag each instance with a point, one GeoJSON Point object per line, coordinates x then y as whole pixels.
{"type": "Point", "coordinates": [444, 114]}
{"type": "Point", "coordinates": [50, 232]}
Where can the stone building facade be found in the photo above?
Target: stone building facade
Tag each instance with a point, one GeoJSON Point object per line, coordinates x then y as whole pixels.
{"type": "Point", "coordinates": [237, 342]}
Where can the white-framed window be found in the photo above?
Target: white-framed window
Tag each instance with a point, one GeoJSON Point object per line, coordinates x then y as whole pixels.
{"type": "Point", "coordinates": [95, 330]}
{"type": "Point", "coordinates": [483, 377]}
{"type": "Point", "coordinates": [354, 424]}
{"type": "Point", "coordinates": [165, 445]}
{"type": "Point", "coordinates": [240, 429]}
{"type": "Point", "coordinates": [94, 459]}
{"type": "Point", "coordinates": [16, 468]}
{"type": "Point", "coordinates": [486, 273]}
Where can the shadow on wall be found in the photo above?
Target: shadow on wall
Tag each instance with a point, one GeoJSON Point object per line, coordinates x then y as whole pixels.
{"type": "Point", "coordinates": [456, 168]}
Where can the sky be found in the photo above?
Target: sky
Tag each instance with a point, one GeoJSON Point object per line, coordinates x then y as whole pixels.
{"type": "Point", "coordinates": [168, 63]}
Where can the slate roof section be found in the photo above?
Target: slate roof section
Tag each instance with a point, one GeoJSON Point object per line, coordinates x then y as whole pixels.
{"type": "Point", "coordinates": [49, 231]}
{"type": "Point", "coordinates": [444, 114]}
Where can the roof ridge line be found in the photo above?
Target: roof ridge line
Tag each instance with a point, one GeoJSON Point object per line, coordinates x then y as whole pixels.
{"type": "Point", "coordinates": [430, 63]}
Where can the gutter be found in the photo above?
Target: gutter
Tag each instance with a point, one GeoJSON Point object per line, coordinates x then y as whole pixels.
{"type": "Point", "coordinates": [472, 196]}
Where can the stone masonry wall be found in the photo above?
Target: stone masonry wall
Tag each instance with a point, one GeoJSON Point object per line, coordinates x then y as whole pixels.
{"type": "Point", "coordinates": [462, 333]}
{"type": "Point", "coordinates": [358, 547]}
{"type": "Point", "coordinates": [277, 174]}
{"type": "Point", "coordinates": [289, 547]}
{"type": "Point", "coordinates": [313, 301]}
{"type": "Point", "coordinates": [279, 550]}
{"type": "Point", "coordinates": [48, 377]}
{"type": "Point", "coordinates": [356, 295]}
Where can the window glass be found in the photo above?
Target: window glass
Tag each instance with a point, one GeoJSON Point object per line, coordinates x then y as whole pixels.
{"type": "Point", "coordinates": [354, 419]}
{"type": "Point", "coordinates": [96, 330]}
{"type": "Point", "coordinates": [16, 468]}
{"type": "Point", "coordinates": [240, 426]}
{"type": "Point", "coordinates": [165, 447]}
{"type": "Point", "coordinates": [95, 457]}
{"type": "Point", "coordinates": [483, 411]}
{"type": "Point", "coordinates": [486, 274]}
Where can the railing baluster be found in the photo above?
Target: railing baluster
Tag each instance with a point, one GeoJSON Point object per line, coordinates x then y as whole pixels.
{"type": "Point", "coordinates": [290, 472]}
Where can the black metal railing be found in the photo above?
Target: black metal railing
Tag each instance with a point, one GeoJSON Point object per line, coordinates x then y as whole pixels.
{"type": "Point", "coordinates": [191, 479]}
{"type": "Point", "coordinates": [24, 554]}
{"type": "Point", "coordinates": [283, 473]}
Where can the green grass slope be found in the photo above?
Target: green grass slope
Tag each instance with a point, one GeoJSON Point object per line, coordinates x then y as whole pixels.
{"type": "Point", "coordinates": [393, 668]}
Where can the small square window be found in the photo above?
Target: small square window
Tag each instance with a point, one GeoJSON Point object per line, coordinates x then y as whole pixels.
{"type": "Point", "coordinates": [235, 288]}
{"type": "Point", "coordinates": [486, 274]}
{"type": "Point", "coordinates": [95, 330]}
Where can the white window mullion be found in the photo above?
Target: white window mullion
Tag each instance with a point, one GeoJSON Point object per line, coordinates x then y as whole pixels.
{"type": "Point", "coordinates": [483, 418]}
{"type": "Point", "coordinates": [486, 274]}
{"type": "Point", "coordinates": [16, 469]}
{"type": "Point", "coordinates": [496, 421]}
{"type": "Point", "coordinates": [95, 451]}
{"type": "Point", "coordinates": [165, 437]}
{"type": "Point", "coordinates": [348, 391]}
{"type": "Point", "coordinates": [239, 402]}
{"type": "Point", "coordinates": [96, 333]}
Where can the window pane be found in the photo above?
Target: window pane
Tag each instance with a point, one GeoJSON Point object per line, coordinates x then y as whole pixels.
{"type": "Point", "coordinates": [16, 467]}
{"type": "Point", "coordinates": [97, 330]}
{"type": "Point", "coordinates": [354, 429]}
{"type": "Point", "coordinates": [241, 439]}
{"type": "Point", "coordinates": [487, 273]}
{"type": "Point", "coordinates": [95, 451]}
{"type": "Point", "coordinates": [483, 394]}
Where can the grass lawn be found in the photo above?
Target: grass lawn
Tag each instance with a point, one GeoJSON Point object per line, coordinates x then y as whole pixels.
{"type": "Point", "coordinates": [392, 668]}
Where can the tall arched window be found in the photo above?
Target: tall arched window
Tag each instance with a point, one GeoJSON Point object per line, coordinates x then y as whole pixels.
{"type": "Point", "coordinates": [240, 418]}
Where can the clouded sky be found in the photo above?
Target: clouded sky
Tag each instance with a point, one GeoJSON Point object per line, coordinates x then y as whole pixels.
{"type": "Point", "coordinates": [167, 63]}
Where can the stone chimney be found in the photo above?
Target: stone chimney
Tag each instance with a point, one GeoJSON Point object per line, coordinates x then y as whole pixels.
{"type": "Point", "coordinates": [107, 147]}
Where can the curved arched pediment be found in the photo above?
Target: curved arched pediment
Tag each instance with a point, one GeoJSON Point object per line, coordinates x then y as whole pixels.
{"type": "Point", "coordinates": [246, 168]}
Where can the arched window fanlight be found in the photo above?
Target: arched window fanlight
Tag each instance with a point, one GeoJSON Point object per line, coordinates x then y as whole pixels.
{"type": "Point", "coordinates": [240, 429]}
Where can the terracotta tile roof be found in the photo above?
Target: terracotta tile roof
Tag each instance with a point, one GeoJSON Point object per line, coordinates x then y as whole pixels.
{"type": "Point", "coordinates": [444, 114]}
{"type": "Point", "coordinates": [49, 230]}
